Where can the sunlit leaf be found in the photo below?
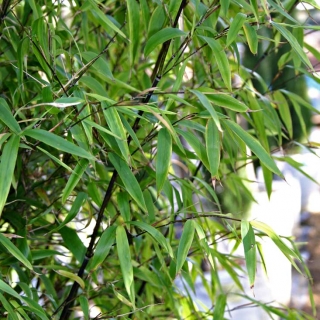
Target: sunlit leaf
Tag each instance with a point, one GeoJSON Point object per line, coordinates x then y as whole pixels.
{"type": "Point", "coordinates": [125, 262]}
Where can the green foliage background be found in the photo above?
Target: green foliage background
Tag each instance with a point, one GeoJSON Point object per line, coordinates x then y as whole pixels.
{"type": "Point", "coordinates": [118, 117]}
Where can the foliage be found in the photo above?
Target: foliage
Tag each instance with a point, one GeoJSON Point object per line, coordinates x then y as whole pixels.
{"type": "Point", "coordinates": [120, 120]}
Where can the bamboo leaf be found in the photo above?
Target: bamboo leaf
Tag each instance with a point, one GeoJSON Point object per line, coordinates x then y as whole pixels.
{"type": "Point", "coordinates": [129, 180]}
{"type": "Point", "coordinates": [7, 166]}
{"type": "Point", "coordinates": [221, 60]}
{"type": "Point", "coordinates": [57, 142]}
{"type": "Point", "coordinates": [77, 203]}
{"type": "Point", "coordinates": [218, 312]}
{"type": "Point", "coordinates": [14, 251]}
{"type": "Point", "coordinates": [116, 126]}
{"type": "Point", "coordinates": [252, 37]}
{"type": "Point", "coordinates": [7, 306]}
{"type": "Point", "coordinates": [255, 147]}
{"type": "Point", "coordinates": [74, 178]}
{"type": "Point", "coordinates": [294, 43]}
{"type": "Point", "coordinates": [71, 276]}
{"type": "Point", "coordinates": [185, 244]}
{"type": "Point", "coordinates": [125, 262]}
{"type": "Point", "coordinates": [157, 235]}
{"type": "Point", "coordinates": [134, 28]}
{"type": "Point", "coordinates": [164, 151]}
{"type": "Point", "coordinates": [84, 304]}
{"type": "Point", "coordinates": [7, 118]}
{"type": "Point", "coordinates": [206, 103]}
{"type": "Point", "coordinates": [104, 245]}
{"type": "Point", "coordinates": [104, 20]}
{"type": "Point", "coordinates": [162, 36]}
{"type": "Point", "coordinates": [288, 252]}
{"type": "Point", "coordinates": [249, 246]}
{"type": "Point", "coordinates": [226, 101]}
{"type": "Point", "coordinates": [213, 147]}
{"type": "Point", "coordinates": [235, 26]}
{"type": "Point", "coordinates": [124, 207]}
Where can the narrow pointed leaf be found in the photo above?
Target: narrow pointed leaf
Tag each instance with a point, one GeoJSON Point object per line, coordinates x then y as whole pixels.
{"type": "Point", "coordinates": [129, 180]}
{"type": "Point", "coordinates": [134, 28]}
{"type": "Point", "coordinates": [71, 276]}
{"type": "Point", "coordinates": [252, 37]}
{"type": "Point", "coordinates": [7, 166]}
{"type": "Point", "coordinates": [236, 25]}
{"type": "Point", "coordinates": [77, 203]}
{"type": "Point", "coordinates": [125, 261]}
{"type": "Point", "coordinates": [14, 251]}
{"type": "Point", "coordinates": [74, 178]}
{"type": "Point", "coordinates": [185, 244]}
{"type": "Point", "coordinates": [7, 118]}
{"type": "Point", "coordinates": [221, 59]}
{"type": "Point", "coordinates": [164, 151]}
{"type": "Point", "coordinates": [294, 43]}
{"type": "Point", "coordinates": [213, 147]}
{"type": "Point", "coordinates": [57, 142]}
{"type": "Point", "coordinates": [157, 235]}
{"type": "Point", "coordinates": [255, 147]}
{"type": "Point", "coordinates": [124, 207]}
{"type": "Point", "coordinates": [162, 36]}
{"type": "Point", "coordinates": [218, 312]}
{"type": "Point", "coordinates": [116, 126]}
{"type": "Point", "coordinates": [103, 247]}
{"type": "Point", "coordinates": [249, 246]}
{"type": "Point", "coordinates": [207, 104]}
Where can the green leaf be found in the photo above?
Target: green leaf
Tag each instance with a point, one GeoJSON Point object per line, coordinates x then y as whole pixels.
{"type": "Point", "coordinates": [72, 241]}
{"type": "Point", "coordinates": [255, 147]}
{"type": "Point", "coordinates": [125, 262]}
{"type": "Point", "coordinates": [104, 245]}
{"type": "Point", "coordinates": [6, 288]}
{"type": "Point", "coordinates": [235, 26]}
{"type": "Point", "coordinates": [249, 246]}
{"type": "Point", "coordinates": [252, 37]}
{"type": "Point", "coordinates": [288, 252]}
{"type": "Point", "coordinates": [221, 60]}
{"type": "Point", "coordinates": [100, 65]}
{"type": "Point", "coordinates": [225, 101]}
{"type": "Point", "coordinates": [164, 150]}
{"type": "Point", "coordinates": [218, 311]}
{"type": "Point", "coordinates": [57, 142]}
{"type": "Point", "coordinates": [71, 276]}
{"type": "Point", "coordinates": [255, 9]}
{"type": "Point", "coordinates": [134, 28]}
{"type": "Point", "coordinates": [74, 178]}
{"type": "Point", "coordinates": [116, 126]}
{"type": "Point", "coordinates": [294, 43]}
{"type": "Point", "coordinates": [207, 104]}
{"type": "Point", "coordinates": [157, 235]}
{"type": "Point", "coordinates": [124, 207]}
{"type": "Point", "coordinates": [85, 308]}
{"type": "Point", "coordinates": [185, 244]}
{"type": "Point", "coordinates": [129, 180]}
{"type": "Point", "coordinates": [162, 36]}
{"type": "Point", "coordinates": [77, 203]}
{"type": "Point", "coordinates": [104, 20]}
{"type": "Point", "coordinates": [7, 118]}
{"type": "Point", "coordinates": [213, 147]}
{"type": "Point", "coordinates": [14, 251]}
{"type": "Point", "coordinates": [7, 166]}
